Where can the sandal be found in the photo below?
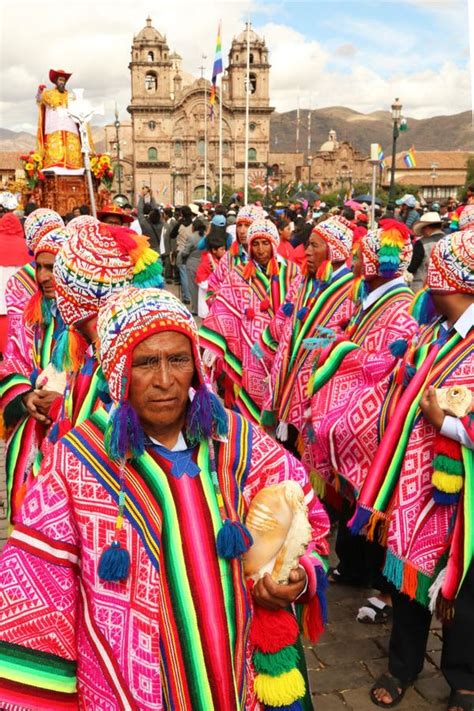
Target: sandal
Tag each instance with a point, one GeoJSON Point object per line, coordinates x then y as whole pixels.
{"type": "Point", "coordinates": [461, 701]}
{"type": "Point", "coordinates": [375, 612]}
{"type": "Point", "coordinates": [392, 686]}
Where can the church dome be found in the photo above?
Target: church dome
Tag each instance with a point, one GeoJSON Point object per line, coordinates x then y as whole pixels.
{"type": "Point", "coordinates": [253, 37]}
{"type": "Point", "coordinates": [149, 33]}
{"type": "Point", "coordinates": [331, 144]}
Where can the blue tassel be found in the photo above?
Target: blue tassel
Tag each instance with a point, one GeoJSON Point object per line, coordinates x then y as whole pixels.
{"type": "Point", "coordinates": [206, 416]}
{"type": "Point", "coordinates": [257, 351]}
{"type": "Point", "coordinates": [34, 377]}
{"type": "Point", "coordinates": [46, 312]}
{"type": "Point", "coordinates": [359, 520]}
{"type": "Point", "coordinates": [322, 586]}
{"type": "Point", "coordinates": [423, 308]}
{"type": "Point", "coordinates": [441, 497]}
{"type": "Point", "coordinates": [398, 348]}
{"type": "Point", "coordinates": [103, 388]}
{"type": "Point", "coordinates": [233, 539]}
{"type": "Point", "coordinates": [301, 313]}
{"type": "Point", "coordinates": [295, 706]}
{"type": "Point", "coordinates": [408, 374]}
{"type": "Point", "coordinates": [114, 564]}
{"type": "Point", "coordinates": [124, 433]}
{"type": "Point", "coordinates": [220, 421]}
{"type": "Point", "coordinates": [288, 308]}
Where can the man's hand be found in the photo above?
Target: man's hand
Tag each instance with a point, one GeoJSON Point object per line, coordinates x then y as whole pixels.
{"type": "Point", "coordinates": [38, 402]}
{"type": "Point", "coordinates": [430, 408]}
{"type": "Point", "coordinates": [45, 399]}
{"type": "Point", "coordinates": [269, 594]}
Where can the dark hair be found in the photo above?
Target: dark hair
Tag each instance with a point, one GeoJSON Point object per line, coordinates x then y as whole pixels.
{"type": "Point", "coordinates": [127, 206]}
{"type": "Point", "coordinates": [84, 210]}
{"type": "Point", "coordinates": [219, 210]}
{"type": "Point", "coordinates": [29, 208]}
{"type": "Point", "coordinates": [217, 237]}
{"type": "Point", "coordinates": [154, 217]}
{"type": "Point", "coordinates": [68, 217]}
{"type": "Point", "coordinates": [348, 213]}
{"type": "Point", "coordinates": [147, 208]}
{"type": "Point", "coordinates": [168, 211]}
{"type": "Point", "coordinates": [281, 221]}
{"type": "Point", "coordinates": [199, 226]}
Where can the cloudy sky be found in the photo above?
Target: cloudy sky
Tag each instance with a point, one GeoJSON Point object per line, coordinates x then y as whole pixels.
{"type": "Point", "coordinates": [356, 53]}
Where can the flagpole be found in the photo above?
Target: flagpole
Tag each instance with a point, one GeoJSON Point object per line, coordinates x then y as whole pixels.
{"type": "Point", "coordinates": [247, 114]}
{"type": "Point", "coordinates": [220, 140]}
{"type": "Point", "coordinates": [205, 134]}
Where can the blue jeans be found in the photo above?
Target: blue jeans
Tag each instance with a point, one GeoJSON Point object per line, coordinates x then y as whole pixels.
{"type": "Point", "coordinates": [183, 276]}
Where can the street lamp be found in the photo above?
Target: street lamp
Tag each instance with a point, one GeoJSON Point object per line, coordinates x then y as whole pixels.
{"type": "Point", "coordinates": [310, 162]}
{"type": "Point", "coordinates": [117, 146]}
{"type": "Point", "coordinates": [396, 118]}
{"type": "Point", "coordinates": [174, 174]}
{"type": "Point", "coordinates": [281, 172]}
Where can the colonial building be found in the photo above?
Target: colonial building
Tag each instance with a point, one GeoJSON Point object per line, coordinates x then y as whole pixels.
{"type": "Point", "coordinates": [165, 145]}
{"type": "Point", "coordinates": [438, 174]}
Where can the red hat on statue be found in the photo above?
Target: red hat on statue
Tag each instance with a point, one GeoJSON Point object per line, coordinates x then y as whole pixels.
{"type": "Point", "coordinates": [54, 74]}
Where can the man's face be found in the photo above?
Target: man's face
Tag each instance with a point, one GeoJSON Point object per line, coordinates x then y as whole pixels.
{"type": "Point", "coordinates": [218, 252]}
{"type": "Point", "coordinates": [262, 251]}
{"type": "Point", "coordinates": [161, 375]}
{"type": "Point", "coordinates": [112, 220]}
{"type": "Point", "coordinates": [241, 230]}
{"type": "Point", "coordinates": [76, 212]}
{"type": "Point", "coordinates": [316, 252]}
{"type": "Point", "coordinates": [44, 273]}
{"type": "Point", "coordinates": [61, 84]}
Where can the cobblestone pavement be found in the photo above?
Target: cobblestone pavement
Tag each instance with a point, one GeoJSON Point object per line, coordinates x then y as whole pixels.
{"type": "Point", "coordinates": [349, 656]}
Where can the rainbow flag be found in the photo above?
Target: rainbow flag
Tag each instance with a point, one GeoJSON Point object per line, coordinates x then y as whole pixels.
{"type": "Point", "coordinates": [216, 70]}
{"type": "Point", "coordinates": [381, 157]}
{"type": "Point", "coordinates": [409, 158]}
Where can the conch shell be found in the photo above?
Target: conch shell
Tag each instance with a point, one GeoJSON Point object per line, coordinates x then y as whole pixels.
{"type": "Point", "coordinates": [52, 379]}
{"type": "Point", "coordinates": [456, 400]}
{"type": "Point", "coordinates": [278, 521]}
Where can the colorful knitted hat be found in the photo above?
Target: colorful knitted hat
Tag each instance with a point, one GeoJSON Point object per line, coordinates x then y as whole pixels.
{"type": "Point", "coordinates": [113, 209]}
{"type": "Point", "coordinates": [97, 261]}
{"type": "Point", "coordinates": [38, 309]}
{"type": "Point", "coordinates": [466, 218]}
{"type": "Point", "coordinates": [248, 214]}
{"type": "Point", "coordinates": [451, 265]}
{"type": "Point", "coordinates": [125, 320]}
{"type": "Point", "coordinates": [52, 241]}
{"type": "Point", "coordinates": [262, 229]}
{"type": "Point", "coordinates": [39, 223]}
{"type": "Point", "coordinates": [336, 231]}
{"type": "Point", "coordinates": [386, 252]}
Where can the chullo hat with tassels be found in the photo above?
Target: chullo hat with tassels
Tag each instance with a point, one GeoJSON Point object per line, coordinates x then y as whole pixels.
{"type": "Point", "coordinates": [128, 318]}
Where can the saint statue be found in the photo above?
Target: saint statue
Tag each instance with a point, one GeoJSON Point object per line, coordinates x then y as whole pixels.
{"type": "Point", "coordinates": [58, 138]}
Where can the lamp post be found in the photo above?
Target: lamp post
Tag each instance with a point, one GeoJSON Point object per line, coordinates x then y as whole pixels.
{"type": "Point", "coordinates": [396, 118]}
{"type": "Point", "coordinates": [281, 172]}
{"type": "Point", "coordinates": [174, 174]}
{"type": "Point", "coordinates": [117, 146]}
{"type": "Point", "coordinates": [268, 173]}
{"type": "Point", "coordinates": [310, 162]}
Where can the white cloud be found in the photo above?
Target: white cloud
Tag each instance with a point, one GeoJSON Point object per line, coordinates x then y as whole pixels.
{"type": "Point", "coordinates": [364, 67]}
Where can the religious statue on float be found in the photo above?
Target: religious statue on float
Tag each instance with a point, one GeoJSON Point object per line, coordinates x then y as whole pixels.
{"type": "Point", "coordinates": [58, 140]}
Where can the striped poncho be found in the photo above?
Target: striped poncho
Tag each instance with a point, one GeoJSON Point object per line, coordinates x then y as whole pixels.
{"type": "Point", "coordinates": [174, 635]}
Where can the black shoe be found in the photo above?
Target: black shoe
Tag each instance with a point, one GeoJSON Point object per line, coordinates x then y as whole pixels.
{"type": "Point", "coordinates": [186, 301]}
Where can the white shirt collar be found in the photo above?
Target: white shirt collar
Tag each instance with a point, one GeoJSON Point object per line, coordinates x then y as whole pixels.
{"type": "Point", "coordinates": [380, 291]}
{"type": "Point", "coordinates": [464, 323]}
{"type": "Point", "coordinates": [337, 271]}
{"type": "Point", "coordinates": [179, 446]}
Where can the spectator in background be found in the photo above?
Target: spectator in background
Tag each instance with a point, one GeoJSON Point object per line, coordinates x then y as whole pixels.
{"type": "Point", "coordinates": [428, 230]}
{"type": "Point", "coordinates": [191, 256]}
{"type": "Point", "coordinates": [285, 249]}
{"type": "Point", "coordinates": [169, 253]}
{"type": "Point", "coordinates": [214, 250]}
{"type": "Point", "coordinates": [183, 229]}
{"type": "Point", "coordinates": [408, 213]}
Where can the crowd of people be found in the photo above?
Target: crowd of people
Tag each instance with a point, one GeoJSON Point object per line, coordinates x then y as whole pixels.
{"type": "Point", "coordinates": [307, 352]}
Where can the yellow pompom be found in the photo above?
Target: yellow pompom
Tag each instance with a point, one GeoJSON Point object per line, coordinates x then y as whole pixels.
{"type": "Point", "coordinates": [449, 483]}
{"type": "Point", "coordinates": [318, 483]}
{"type": "Point", "coordinates": [149, 256]}
{"type": "Point", "coordinates": [280, 690]}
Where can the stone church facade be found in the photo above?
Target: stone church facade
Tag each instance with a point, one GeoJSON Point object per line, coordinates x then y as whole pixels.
{"type": "Point", "coordinates": [168, 107]}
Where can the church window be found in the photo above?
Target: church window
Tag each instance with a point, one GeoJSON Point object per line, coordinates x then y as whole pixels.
{"type": "Point", "coordinates": [150, 57]}
{"type": "Point", "coordinates": [152, 125]}
{"type": "Point", "coordinates": [250, 58]}
{"type": "Point", "coordinates": [236, 57]}
{"type": "Point", "coordinates": [152, 154]}
{"type": "Point", "coordinates": [252, 125]}
{"type": "Point", "coordinates": [178, 148]}
{"type": "Point", "coordinates": [252, 154]}
{"type": "Point", "coordinates": [253, 83]}
{"type": "Point", "coordinates": [225, 147]}
{"type": "Point", "coordinates": [200, 146]}
{"type": "Point", "coordinates": [150, 81]}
